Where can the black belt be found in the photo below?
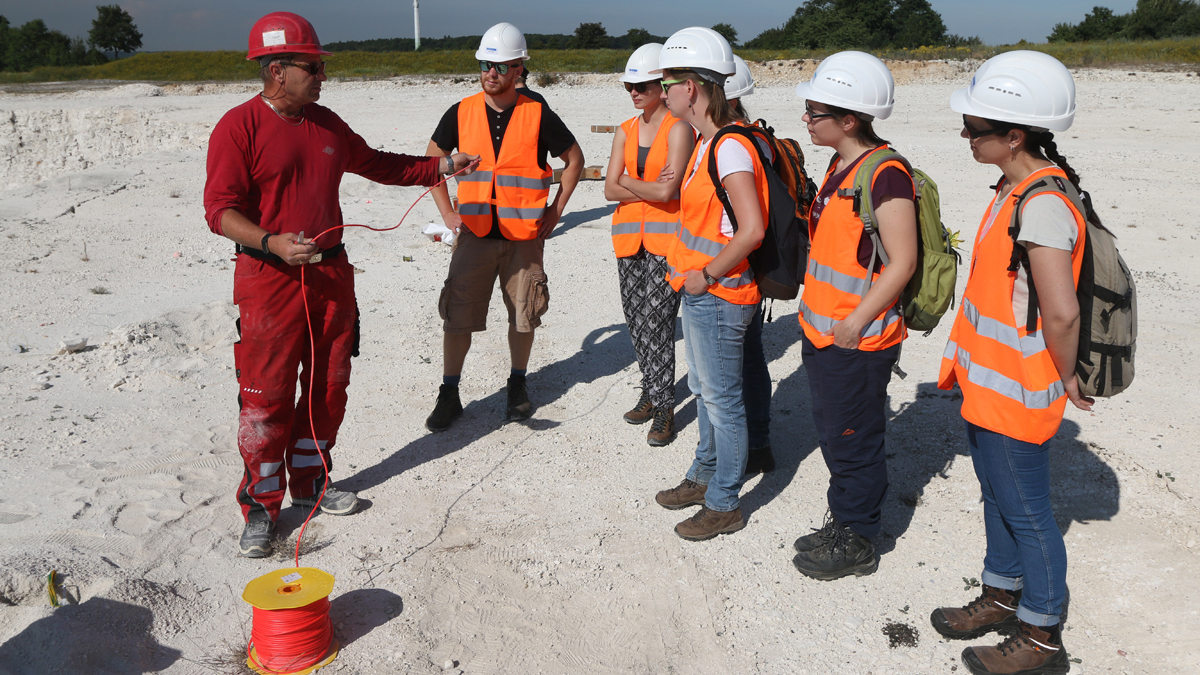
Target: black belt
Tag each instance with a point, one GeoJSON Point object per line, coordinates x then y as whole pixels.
{"type": "Point", "coordinates": [327, 254]}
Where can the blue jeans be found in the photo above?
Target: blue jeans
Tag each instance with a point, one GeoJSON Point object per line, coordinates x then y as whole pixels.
{"type": "Point", "coordinates": [1024, 547]}
{"type": "Point", "coordinates": [727, 374]}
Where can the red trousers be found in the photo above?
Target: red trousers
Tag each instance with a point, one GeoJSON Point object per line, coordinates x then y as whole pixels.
{"type": "Point", "coordinates": [274, 434]}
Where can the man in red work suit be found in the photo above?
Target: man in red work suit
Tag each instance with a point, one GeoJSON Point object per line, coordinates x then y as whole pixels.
{"type": "Point", "coordinates": [275, 164]}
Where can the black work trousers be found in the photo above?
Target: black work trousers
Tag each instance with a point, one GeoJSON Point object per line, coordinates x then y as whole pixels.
{"type": "Point", "coordinates": [849, 404]}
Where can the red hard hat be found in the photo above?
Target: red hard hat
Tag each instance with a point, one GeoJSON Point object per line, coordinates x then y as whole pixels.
{"type": "Point", "coordinates": [283, 33]}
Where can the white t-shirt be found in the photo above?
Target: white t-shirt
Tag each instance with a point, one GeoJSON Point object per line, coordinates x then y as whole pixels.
{"type": "Point", "coordinates": [731, 158]}
{"type": "Point", "coordinates": [1046, 220]}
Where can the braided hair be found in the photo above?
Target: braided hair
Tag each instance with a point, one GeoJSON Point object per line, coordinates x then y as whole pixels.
{"type": "Point", "coordinates": [1041, 144]}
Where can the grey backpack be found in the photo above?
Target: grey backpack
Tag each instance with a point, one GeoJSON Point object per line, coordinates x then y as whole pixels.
{"type": "Point", "coordinates": [1107, 298]}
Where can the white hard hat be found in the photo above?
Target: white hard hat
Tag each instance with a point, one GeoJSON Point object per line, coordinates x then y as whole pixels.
{"type": "Point", "coordinates": [1020, 87]}
{"type": "Point", "coordinates": [852, 80]}
{"type": "Point", "coordinates": [641, 62]}
{"type": "Point", "coordinates": [697, 47]}
{"type": "Point", "coordinates": [502, 42]}
{"type": "Point", "coordinates": [742, 82]}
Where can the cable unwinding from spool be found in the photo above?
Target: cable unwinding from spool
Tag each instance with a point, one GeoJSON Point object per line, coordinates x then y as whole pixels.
{"type": "Point", "coordinates": [291, 632]}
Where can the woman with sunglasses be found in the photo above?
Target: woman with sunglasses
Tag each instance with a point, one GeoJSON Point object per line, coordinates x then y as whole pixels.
{"type": "Point", "coordinates": [850, 312]}
{"type": "Point", "coordinates": [722, 312]}
{"type": "Point", "coordinates": [642, 230]}
{"type": "Point", "coordinates": [1016, 382]}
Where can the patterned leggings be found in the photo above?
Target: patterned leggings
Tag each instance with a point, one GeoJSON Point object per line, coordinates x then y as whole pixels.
{"type": "Point", "coordinates": [650, 306]}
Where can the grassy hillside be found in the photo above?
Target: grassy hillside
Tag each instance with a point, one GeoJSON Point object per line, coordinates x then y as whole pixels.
{"type": "Point", "coordinates": [225, 66]}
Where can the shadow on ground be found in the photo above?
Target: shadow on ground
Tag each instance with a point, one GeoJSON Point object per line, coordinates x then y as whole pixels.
{"type": "Point", "coordinates": [927, 437]}
{"type": "Point", "coordinates": [98, 637]}
{"type": "Point", "coordinates": [361, 611]}
{"type": "Point", "coordinates": [604, 352]}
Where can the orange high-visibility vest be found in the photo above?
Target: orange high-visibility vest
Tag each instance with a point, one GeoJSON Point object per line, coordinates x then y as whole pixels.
{"type": "Point", "coordinates": [1009, 382]}
{"type": "Point", "coordinates": [645, 223]}
{"type": "Point", "coordinates": [835, 280]}
{"type": "Point", "coordinates": [698, 239]}
{"type": "Point", "coordinates": [520, 186]}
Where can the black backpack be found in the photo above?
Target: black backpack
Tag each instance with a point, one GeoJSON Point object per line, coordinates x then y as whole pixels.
{"type": "Point", "coordinates": [780, 260]}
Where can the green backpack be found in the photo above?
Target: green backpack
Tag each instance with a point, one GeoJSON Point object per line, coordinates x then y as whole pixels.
{"type": "Point", "coordinates": [930, 292]}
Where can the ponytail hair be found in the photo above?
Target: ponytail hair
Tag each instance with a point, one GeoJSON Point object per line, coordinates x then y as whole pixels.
{"type": "Point", "coordinates": [865, 133]}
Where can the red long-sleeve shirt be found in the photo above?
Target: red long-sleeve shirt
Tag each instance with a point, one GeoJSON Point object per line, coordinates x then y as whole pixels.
{"type": "Point", "coordinates": [286, 178]}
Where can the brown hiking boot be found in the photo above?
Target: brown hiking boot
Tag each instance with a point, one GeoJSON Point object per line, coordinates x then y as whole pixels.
{"type": "Point", "coordinates": [707, 524]}
{"type": "Point", "coordinates": [994, 610]}
{"type": "Point", "coordinates": [662, 432]}
{"type": "Point", "coordinates": [642, 412]}
{"type": "Point", "coordinates": [1033, 650]}
{"type": "Point", "coordinates": [688, 493]}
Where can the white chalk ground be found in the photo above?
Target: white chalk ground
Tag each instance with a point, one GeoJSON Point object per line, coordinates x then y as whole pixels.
{"type": "Point", "coordinates": [538, 548]}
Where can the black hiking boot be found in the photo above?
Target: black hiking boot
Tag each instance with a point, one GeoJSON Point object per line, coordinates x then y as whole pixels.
{"type": "Point", "coordinates": [847, 552]}
{"type": "Point", "coordinates": [448, 409]}
{"type": "Point", "coordinates": [519, 407]}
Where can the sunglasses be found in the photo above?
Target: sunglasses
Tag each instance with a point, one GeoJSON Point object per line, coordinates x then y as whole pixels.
{"type": "Point", "coordinates": [313, 69]}
{"type": "Point", "coordinates": [640, 87]}
{"type": "Point", "coordinates": [814, 115]}
{"type": "Point", "coordinates": [501, 68]}
{"type": "Point", "coordinates": [973, 133]}
{"type": "Point", "coordinates": [667, 84]}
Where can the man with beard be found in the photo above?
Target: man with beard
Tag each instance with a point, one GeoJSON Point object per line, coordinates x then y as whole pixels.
{"type": "Point", "coordinates": [503, 208]}
{"type": "Point", "coordinates": [274, 166]}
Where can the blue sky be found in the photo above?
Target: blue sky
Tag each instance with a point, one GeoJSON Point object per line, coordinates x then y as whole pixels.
{"type": "Point", "coordinates": [223, 24]}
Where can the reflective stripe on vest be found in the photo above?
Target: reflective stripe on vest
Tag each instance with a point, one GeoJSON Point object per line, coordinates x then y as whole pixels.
{"type": "Point", "coordinates": [825, 324]}
{"type": "Point", "coordinates": [513, 184]}
{"type": "Point", "coordinates": [1009, 381]}
{"type": "Point", "coordinates": [835, 281]}
{"type": "Point", "coordinates": [644, 223]}
{"type": "Point", "coordinates": [1001, 384]}
{"type": "Point", "coordinates": [698, 237]}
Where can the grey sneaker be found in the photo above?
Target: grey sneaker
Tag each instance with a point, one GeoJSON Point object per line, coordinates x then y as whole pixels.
{"type": "Point", "coordinates": [256, 539]}
{"type": "Point", "coordinates": [335, 503]}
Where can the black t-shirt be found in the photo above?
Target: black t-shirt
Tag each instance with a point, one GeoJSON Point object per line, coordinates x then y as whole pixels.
{"type": "Point", "coordinates": [554, 139]}
{"type": "Point", "coordinates": [891, 182]}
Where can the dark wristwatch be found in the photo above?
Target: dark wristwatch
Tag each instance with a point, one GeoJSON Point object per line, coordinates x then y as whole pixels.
{"type": "Point", "coordinates": [263, 244]}
{"type": "Point", "coordinates": [708, 278]}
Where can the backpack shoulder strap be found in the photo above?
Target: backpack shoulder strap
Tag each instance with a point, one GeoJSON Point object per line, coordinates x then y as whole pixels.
{"type": "Point", "coordinates": [864, 206]}
{"type": "Point", "coordinates": [1020, 257]}
{"type": "Point", "coordinates": [714, 174]}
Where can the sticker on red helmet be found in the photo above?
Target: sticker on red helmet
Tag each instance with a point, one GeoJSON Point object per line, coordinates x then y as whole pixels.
{"type": "Point", "coordinates": [272, 38]}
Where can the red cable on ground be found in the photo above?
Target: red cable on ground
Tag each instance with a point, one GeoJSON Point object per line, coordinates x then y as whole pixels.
{"type": "Point", "coordinates": [288, 640]}
{"type": "Point", "coordinates": [313, 349]}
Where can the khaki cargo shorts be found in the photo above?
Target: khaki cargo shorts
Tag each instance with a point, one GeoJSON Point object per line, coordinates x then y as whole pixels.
{"type": "Point", "coordinates": [475, 265]}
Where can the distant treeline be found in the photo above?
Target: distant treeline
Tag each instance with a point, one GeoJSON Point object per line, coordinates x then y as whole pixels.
{"type": "Point", "coordinates": [1149, 20]}
{"type": "Point", "coordinates": [862, 24]}
{"type": "Point", "coordinates": [587, 37]}
{"type": "Point", "coordinates": [33, 45]}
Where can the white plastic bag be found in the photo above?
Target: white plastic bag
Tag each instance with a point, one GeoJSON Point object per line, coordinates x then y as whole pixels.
{"type": "Point", "coordinates": [439, 232]}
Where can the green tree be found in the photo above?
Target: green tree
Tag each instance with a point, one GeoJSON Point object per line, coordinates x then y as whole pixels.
{"type": "Point", "coordinates": [33, 45]}
{"type": "Point", "coordinates": [590, 36]}
{"type": "Point", "coordinates": [1152, 19]}
{"type": "Point", "coordinates": [636, 37]}
{"type": "Point", "coordinates": [771, 38]}
{"type": "Point", "coordinates": [113, 30]}
{"type": "Point", "coordinates": [917, 25]}
{"type": "Point", "coordinates": [728, 32]}
{"type": "Point", "coordinates": [4, 31]}
{"type": "Point", "coordinates": [1100, 24]}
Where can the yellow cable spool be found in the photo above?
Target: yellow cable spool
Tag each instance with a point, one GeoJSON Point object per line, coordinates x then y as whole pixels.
{"type": "Point", "coordinates": [290, 588]}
